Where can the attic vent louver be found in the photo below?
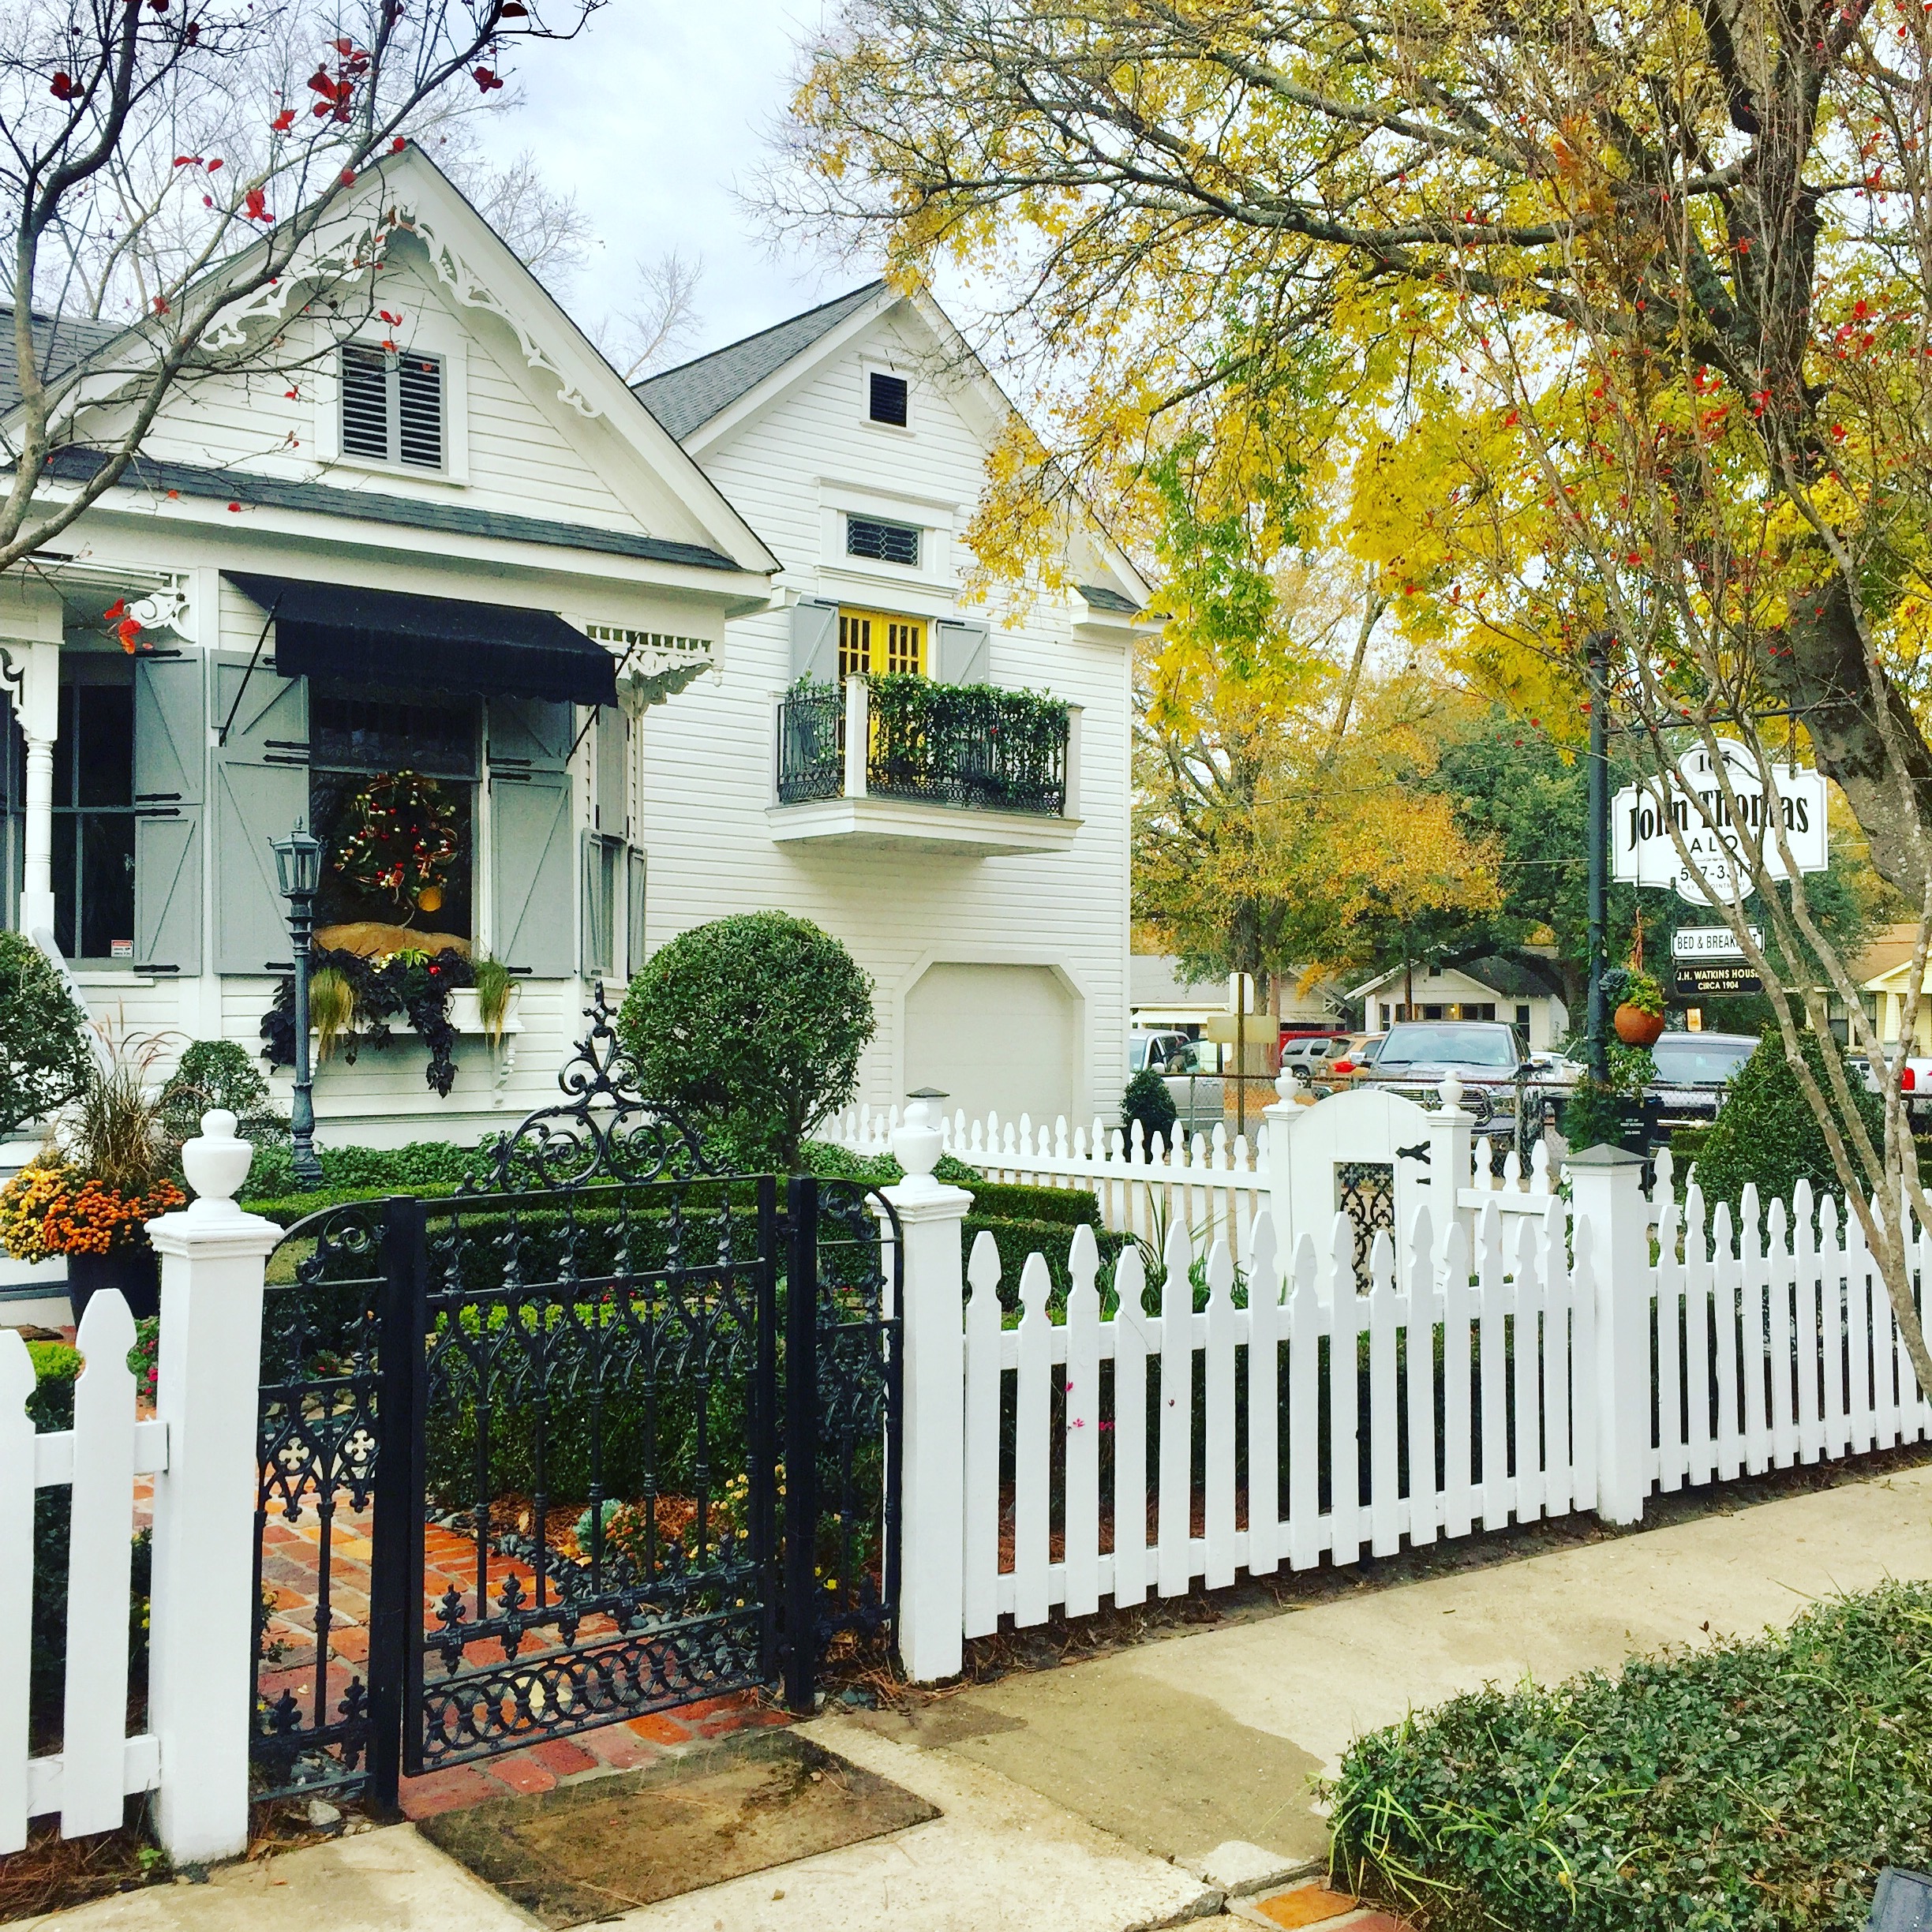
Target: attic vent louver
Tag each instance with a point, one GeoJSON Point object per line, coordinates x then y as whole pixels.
{"type": "Point", "coordinates": [392, 406]}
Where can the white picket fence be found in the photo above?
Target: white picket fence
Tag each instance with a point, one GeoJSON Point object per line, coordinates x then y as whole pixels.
{"type": "Point", "coordinates": [1317, 1397]}
{"type": "Point", "coordinates": [1214, 1185]}
{"type": "Point", "coordinates": [96, 1462]}
{"type": "Point", "coordinates": [1517, 1429]}
{"type": "Point", "coordinates": [1786, 1351]}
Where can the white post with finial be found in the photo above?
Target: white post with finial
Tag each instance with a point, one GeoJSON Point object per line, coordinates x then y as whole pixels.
{"type": "Point", "coordinates": [1451, 1127]}
{"type": "Point", "coordinates": [932, 1506]}
{"type": "Point", "coordinates": [1274, 1139]}
{"type": "Point", "coordinates": [201, 1640]}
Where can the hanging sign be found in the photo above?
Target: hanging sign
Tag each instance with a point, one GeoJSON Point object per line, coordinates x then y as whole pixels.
{"type": "Point", "coordinates": [1711, 942]}
{"type": "Point", "coordinates": [1719, 980]}
{"type": "Point", "coordinates": [1643, 852]}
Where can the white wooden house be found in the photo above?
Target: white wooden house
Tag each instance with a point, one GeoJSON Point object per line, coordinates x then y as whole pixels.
{"type": "Point", "coordinates": [1523, 988]}
{"type": "Point", "coordinates": [456, 542]}
{"type": "Point", "coordinates": [989, 905]}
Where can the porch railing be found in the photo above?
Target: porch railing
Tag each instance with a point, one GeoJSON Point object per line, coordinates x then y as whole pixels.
{"type": "Point", "coordinates": [963, 745]}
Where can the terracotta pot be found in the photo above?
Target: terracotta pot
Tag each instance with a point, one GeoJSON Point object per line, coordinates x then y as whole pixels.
{"type": "Point", "coordinates": [136, 1272]}
{"type": "Point", "coordinates": [1635, 1028]}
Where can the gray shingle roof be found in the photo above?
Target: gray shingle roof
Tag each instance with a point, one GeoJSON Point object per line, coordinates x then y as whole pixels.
{"type": "Point", "coordinates": [686, 397]}
{"type": "Point", "coordinates": [1100, 597]}
{"type": "Point", "coordinates": [75, 465]}
{"type": "Point", "coordinates": [60, 342]}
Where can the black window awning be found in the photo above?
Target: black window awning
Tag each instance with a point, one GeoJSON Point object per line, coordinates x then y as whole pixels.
{"type": "Point", "coordinates": [385, 637]}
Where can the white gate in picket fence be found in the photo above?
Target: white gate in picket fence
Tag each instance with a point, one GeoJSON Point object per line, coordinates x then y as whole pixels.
{"type": "Point", "coordinates": [96, 1462]}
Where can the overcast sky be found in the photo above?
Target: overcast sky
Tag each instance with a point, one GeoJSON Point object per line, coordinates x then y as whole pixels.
{"type": "Point", "coordinates": [652, 118]}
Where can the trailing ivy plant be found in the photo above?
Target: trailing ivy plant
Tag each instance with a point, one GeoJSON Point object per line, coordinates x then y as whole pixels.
{"type": "Point", "coordinates": [968, 744]}
{"type": "Point", "coordinates": [412, 985]}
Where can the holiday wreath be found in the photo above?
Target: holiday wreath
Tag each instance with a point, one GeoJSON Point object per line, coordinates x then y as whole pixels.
{"type": "Point", "coordinates": [398, 837]}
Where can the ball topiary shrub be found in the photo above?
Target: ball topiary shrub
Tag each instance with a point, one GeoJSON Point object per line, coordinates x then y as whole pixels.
{"type": "Point", "coordinates": [1765, 1132]}
{"type": "Point", "coordinates": [750, 1028]}
{"type": "Point", "coordinates": [46, 1056]}
{"type": "Point", "coordinates": [1147, 1101]}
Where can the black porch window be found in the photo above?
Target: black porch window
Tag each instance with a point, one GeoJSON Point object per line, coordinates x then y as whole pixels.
{"type": "Point", "coordinates": [94, 821]}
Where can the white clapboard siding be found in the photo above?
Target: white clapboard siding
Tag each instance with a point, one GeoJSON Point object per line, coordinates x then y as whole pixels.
{"type": "Point", "coordinates": [96, 1462]}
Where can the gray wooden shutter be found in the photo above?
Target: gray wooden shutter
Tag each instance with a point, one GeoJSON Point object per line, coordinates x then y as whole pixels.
{"type": "Point", "coordinates": [965, 653]}
{"type": "Point", "coordinates": [261, 787]}
{"type": "Point", "coordinates": [170, 754]}
{"type": "Point", "coordinates": [815, 641]}
{"type": "Point", "coordinates": [533, 872]}
{"type": "Point", "coordinates": [600, 856]}
{"type": "Point", "coordinates": [634, 876]}
{"type": "Point", "coordinates": [613, 745]}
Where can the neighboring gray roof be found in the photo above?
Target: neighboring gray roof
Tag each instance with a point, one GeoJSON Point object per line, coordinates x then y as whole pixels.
{"type": "Point", "coordinates": [1101, 598]}
{"type": "Point", "coordinates": [75, 465]}
{"type": "Point", "coordinates": [686, 397]}
{"type": "Point", "coordinates": [60, 342]}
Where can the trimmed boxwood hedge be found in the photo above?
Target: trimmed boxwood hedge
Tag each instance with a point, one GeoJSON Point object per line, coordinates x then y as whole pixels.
{"type": "Point", "coordinates": [1758, 1786]}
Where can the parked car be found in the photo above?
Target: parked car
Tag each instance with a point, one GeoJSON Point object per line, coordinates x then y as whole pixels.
{"type": "Point", "coordinates": [1307, 1055]}
{"type": "Point", "coordinates": [1914, 1079]}
{"type": "Point", "coordinates": [1152, 1048]}
{"type": "Point", "coordinates": [1416, 1056]}
{"type": "Point", "coordinates": [1193, 1076]}
{"type": "Point", "coordinates": [1693, 1070]}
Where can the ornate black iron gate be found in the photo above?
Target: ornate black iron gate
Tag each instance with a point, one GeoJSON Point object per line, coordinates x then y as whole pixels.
{"type": "Point", "coordinates": [621, 1433]}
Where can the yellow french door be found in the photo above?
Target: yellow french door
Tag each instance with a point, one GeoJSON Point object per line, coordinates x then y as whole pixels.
{"type": "Point", "coordinates": [874, 644]}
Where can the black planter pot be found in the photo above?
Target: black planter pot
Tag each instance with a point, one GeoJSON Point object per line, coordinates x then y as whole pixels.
{"type": "Point", "coordinates": [136, 1272]}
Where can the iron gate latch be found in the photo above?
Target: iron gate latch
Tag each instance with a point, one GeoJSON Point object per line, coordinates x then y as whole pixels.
{"type": "Point", "coordinates": [1419, 1152]}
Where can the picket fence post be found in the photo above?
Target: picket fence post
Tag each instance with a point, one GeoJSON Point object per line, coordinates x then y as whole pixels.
{"type": "Point", "coordinates": [1607, 1193]}
{"type": "Point", "coordinates": [932, 1509]}
{"type": "Point", "coordinates": [202, 1653]}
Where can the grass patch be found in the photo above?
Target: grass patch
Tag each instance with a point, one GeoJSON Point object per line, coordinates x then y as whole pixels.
{"type": "Point", "coordinates": [1758, 1786]}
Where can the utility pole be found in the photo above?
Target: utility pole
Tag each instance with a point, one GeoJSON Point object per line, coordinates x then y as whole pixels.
{"type": "Point", "coordinates": [1596, 655]}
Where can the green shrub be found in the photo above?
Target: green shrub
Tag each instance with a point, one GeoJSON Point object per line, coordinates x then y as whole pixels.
{"type": "Point", "coordinates": [1754, 1787]}
{"type": "Point", "coordinates": [1052, 1240]}
{"type": "Point", "coordinates": [750, 1027]}
{"type": "Point", "coordinates": [1766, 1132]}
{"type": "Point", "coordinates": [999, 1200]}
{"type": "Point", "coordinates": [1147, 1101]}
{"type": "Point", "coordinates": [46, 1056]}
{"type": "Point", "coordinates": [223, 1073]}
{"type": "Point", "coordinates": [1592, 1116]}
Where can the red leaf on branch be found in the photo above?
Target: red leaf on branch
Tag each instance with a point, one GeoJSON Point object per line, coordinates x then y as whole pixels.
{"type": "Point", "coordinates": [485, 80]}
{"type": "Point", "coordinates": [346, 48]}
{"type": "Point", "coordinates": [284, 120]}
{"type": "Point", "coordinates": [214, 164]}
{"type": "Point", "coordinates": [187, 160]}
{"type": "Point", "coordinates": [161, 304]}
{"type": "Point", "coordinates": [397, 145]}
{"type": "Point", "coordinates": [255, 205]}
{"type": "Point", "coordinates": [128, 631]}
{"type": "Point", "coordinates": [320, 80]}
{"type": "Point", "coordinates": [116, 609]}
{"type": "Point", "coordinates": [348, 177]}
{"type": "Point", "coordinates": [394, 321]}
{"type": "Point", "coordinates": [63, 87]}
{"type": "Point", "coordinates": [234, 505]}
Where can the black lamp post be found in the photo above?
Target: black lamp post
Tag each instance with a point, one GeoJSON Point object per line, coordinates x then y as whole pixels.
{"type": "Point", "coordinates": [298, 860]}
{"type": "Point", "coordinates": [1597, 653]}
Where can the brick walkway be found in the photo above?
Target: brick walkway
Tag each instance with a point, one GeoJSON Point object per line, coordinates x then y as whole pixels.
{"type": "Point", "coordinates": [292, 1570]}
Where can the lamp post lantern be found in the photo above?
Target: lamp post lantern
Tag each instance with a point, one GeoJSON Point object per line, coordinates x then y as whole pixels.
{"type": "Point", "coordinates": [298, 861]}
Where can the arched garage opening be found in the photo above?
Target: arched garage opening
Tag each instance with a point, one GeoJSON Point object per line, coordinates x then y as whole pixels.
{"type": "Point", "coordinates": [1004, 1037]}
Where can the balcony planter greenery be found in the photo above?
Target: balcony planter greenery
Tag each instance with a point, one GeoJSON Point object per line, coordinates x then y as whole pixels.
{"type": "Point", "coordinates": [410, 986]}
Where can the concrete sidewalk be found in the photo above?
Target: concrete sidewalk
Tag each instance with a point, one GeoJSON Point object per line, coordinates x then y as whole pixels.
{"type": "Point", "coordinates": [1093, 1796]}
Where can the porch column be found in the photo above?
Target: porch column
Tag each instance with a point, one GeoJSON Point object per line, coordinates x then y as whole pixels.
{"type": "Point", "coordinates": [30, 644]}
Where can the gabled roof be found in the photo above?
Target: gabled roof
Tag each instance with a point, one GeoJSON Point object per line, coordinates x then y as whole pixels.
{"type": "Point", "coordinates": [61, 343]}
{"type": "Point", "coordinates": [1101, 598]}
{"type": "Point", "coordinates": [1516, 976]}
{"type": "Point", "coordinates": [686, 398]}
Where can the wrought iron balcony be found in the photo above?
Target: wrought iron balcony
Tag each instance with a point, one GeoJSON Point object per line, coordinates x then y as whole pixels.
{"type": "Point", "coordinates": [920, 756]}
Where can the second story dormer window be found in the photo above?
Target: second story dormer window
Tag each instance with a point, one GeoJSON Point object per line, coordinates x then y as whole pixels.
{"type": "Point", "coordinates": [392, 406]}
{"type": "Point", "coordinates": [883, 542]}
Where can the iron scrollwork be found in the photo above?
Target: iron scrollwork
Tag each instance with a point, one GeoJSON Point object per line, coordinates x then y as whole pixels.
{"type": "Point", "coordinates": [604, 1130]}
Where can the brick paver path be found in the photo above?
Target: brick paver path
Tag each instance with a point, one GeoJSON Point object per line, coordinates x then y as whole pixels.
{"type": "Point", "coordinates": [292, 1562]}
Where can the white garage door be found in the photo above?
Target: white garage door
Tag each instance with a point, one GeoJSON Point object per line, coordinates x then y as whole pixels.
{"type": "Point", "coordinates": [1003, 1037]}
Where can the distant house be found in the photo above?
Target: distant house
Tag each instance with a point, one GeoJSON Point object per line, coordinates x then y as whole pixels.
{"type": "Point", "coordinates": [1883, 972]}
{"type": "Point", "coordinates": [1522, 988]}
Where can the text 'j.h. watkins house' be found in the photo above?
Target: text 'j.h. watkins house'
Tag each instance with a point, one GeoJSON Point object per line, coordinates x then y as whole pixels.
{"type": "Point", "coordinates": [639, 656]}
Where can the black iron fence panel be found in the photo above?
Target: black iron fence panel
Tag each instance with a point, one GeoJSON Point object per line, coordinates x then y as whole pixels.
{"type": "Point", "coordinates": [595, 1459]}
{"type": "Point", "coordinates": [967, 744]}
{"type": "Point", "coordinates": [811, 744]}
{"type": "Point", "coordinates": [843, 1341]}
{"type": "Point", "coordinates": [319, 1429]}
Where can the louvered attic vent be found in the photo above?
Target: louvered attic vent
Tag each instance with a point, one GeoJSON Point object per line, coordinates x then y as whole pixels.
{"type": "Point", "coordinates": [392, 406]}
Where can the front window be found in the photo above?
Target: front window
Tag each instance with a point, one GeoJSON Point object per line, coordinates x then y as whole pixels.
{"type": "Point", "coordinates": [1696, 1059]}
{"type": "Point", "coordinates": [1439, 1046]}
{"type": "Point", "coordinates": [94, 819]}
{"type": "Point", "coordinates": [872, 644]}
{"type": "Point", "coordinates": [392, 797]}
